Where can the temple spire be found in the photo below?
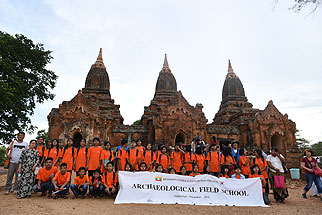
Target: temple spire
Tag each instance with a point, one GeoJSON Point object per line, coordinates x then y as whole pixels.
{"type": "Point", "coordinates": [165, 63]}
{"type": "Point", "coordinates": [100, 57]}
{"type": "Point", "coordinates": [230, 68]}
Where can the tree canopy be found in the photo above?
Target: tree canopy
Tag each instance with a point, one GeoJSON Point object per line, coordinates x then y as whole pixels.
{"type": "Point", "coordinates": [24, 81]}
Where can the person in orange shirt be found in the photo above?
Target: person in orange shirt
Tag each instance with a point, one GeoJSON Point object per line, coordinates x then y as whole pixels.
{"type": "Point", "coordinates": [244, 162]}
{"type": "Point", "coordinates": [44, 176]}
{"type": "Point", "coordinates": [110, 180]}
{"type": "Point", "coordinates": [134, 156]}
{"type": "Point", "coordinates": [80, 156]}
{"type": "Point", "coordinates": [238, 174]}
{"type": "Point", "coordinates": [143, 167]}
{"type": "Point", "coordinates": [139, 146]}
{"type": "Point", "coordinates": [149, 157]}
{"type": "Point", "coordinates": [256, 173]}
{"type": "Point", "coordinates": [93, 157]}
{"type": "Point", "coordinates": [262, 164]}
{"type": "Point", "coordinates": [128, 167]}
{"type": "Point", "coordinates": [53, 152]}
{"type": "Point", "coordinates": [213, 160]}
{"type": "Point", "coordinates": [66, 155]}
{"type": "Point", "coordinates": [172, 171]}
{"type": "Point", "coordinates": [227, 159]}
{"type": "Point", "coordinates": [159, 168]}
{"type": "Point", "coordinates": [107, 156]}
{"type": "Point", "coordinates": [183, 171]}
{"type": "Point", "coordinates": [195, 170]}
{"type": "Point", "coordinates": [96, 184]}
{"type": "Point", "coordinates": [199, 158]}
{"type": "Point", "coordinates": [188, 158]}
{"type": "Point", "coordinates": [224, 171]}
{"type": "Point", "coordinates": [164, 159]}
{"type": "Point", "coordinates": [122, 155]}
{"type": "Point", "coordinates": [60, 183]}
{"type": "Point", "coordinates": [177, 157]}
{"type": "Point", "coordinates": [81, 184]}
{"type": "Point", "coordinates": [41, 149]}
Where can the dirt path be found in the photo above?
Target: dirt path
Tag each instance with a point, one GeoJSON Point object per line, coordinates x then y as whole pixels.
{"type": "Point", "coordinates": [295, 204]}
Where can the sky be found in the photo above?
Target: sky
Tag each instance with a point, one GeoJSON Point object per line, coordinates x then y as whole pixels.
{"type": "Point", "coordinates": [276, 52]}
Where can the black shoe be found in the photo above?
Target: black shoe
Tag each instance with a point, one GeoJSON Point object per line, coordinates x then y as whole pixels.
{"type": "Point", "coordinates": [304, 195]}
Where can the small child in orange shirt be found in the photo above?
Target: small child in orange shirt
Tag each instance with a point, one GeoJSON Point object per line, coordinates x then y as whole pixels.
{"type": "Point", "coordinates": [96, 184]}
{"type": "Point", "coordinates": [60, 183]}
{"type": "Point", "coordinates": [81, 183]}
{"type": "Point", "coordinates": [110, 180]}
{"type": "Point", "coordinates": [224, 171]}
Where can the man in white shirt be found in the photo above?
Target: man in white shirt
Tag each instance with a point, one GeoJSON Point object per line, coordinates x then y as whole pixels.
{"type": "Point", "coordinates": [13, 153]}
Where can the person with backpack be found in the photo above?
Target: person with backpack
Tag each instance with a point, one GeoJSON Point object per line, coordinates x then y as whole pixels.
{"type": "Point", "coordinates": [177, 157]}
{"type": "Point", "coordinates": [199, 158]}
{"type": "Point", "coordinates": [80, 156]}
{"type": "Point", "coordinates": [213, 160]}
{"type": "Point", "coordinates": [134, 156]}
{"type": "Point", "coordinates": [122, 155]}
{"type": "Point", "coordinates": [13, 153]}
{"type": "Point", "coordinates": [228, 159]}
{"type": "Point", "coordinates": [110, 180]}
{"type": "Point", "coordinates": [67, 155]}
{"type": "Point", "coordinates": [139, 146]}
{"type": "Point", "coordinates": [41, 150]}
{"type": "Point", "coordinates": [107, 156]}
{"type": "Point", "coordinates": [164, 159]}
{"type": "Point", "coordinates": [96, 184]}
{"type": "Point", "coordinates": [188, 158]}
{"type": "Point", "coordinates": [149, 157]}
{"type": "Point", "coordinates": [53, 152]}
{"type": "Point", "coordinates": [244, 162]}
{"type": "Point", "coordinates": [262, 164]}
{"type": "Point", "coordinates": [61, 181]}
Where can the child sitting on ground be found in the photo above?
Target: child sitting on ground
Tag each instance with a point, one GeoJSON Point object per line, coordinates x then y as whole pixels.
{"type": "Point", "coordinates": [81, 183]}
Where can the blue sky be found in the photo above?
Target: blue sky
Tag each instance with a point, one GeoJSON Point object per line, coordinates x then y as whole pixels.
{"type": "Point", "coordinates": [275, 52]}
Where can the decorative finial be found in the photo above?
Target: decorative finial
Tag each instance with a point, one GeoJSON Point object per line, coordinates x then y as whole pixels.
{"type": "Point", "coordinates": [100, 57]}
{"type": "Point", "coordinates": [230, 68]}
{"type": "Point", "coordinates": [165, 63]}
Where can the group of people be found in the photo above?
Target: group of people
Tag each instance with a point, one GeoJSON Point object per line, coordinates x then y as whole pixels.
{"type": "Point", "coordinates": [96, 167]}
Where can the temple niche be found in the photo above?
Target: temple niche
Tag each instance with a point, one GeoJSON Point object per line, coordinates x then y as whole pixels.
{"type": "Point", "coordinates": [170, 118]}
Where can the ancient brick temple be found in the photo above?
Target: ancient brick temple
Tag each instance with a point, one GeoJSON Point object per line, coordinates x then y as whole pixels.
{"type": "Point", "coordinates": [170, 118]}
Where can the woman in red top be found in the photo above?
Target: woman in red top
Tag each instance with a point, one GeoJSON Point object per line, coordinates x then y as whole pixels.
{"type": "Point", "coordinates": [308, 164]}
{"type": "Point", "coordinates": [262, 164]}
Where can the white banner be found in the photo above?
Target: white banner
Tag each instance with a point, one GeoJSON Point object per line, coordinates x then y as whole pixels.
{"type": "Point", "coordinates": [157, 188]}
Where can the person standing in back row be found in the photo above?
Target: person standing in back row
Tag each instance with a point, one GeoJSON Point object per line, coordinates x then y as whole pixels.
{"type": "Point", "coordinates": [13, 153]}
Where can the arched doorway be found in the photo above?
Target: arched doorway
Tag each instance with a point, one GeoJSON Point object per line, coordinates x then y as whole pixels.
{"type": "Point", "coordinates": [277, 142]}
{"type": "Point", "coordinates": [77, 139]}
{"type": "Point", "coordinates": [180, 138]}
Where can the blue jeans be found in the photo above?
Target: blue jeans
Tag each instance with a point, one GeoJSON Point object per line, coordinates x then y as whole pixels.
{"type": "Point", "coordinates": [43, 187]}
{"type": "Point", "coordinates": [60, 192]}
{"type": "Point", "coordinates": [77, 192]}
{"type": "Point", "coordinates": [95, 192]}
{"type": "Point", "coordinates": [309, 181]}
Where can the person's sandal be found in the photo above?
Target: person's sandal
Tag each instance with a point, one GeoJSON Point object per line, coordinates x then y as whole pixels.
{"type": "Point", "coordinates": [50, 196]}
{"type": "Point", "coordinates": [304, 195]}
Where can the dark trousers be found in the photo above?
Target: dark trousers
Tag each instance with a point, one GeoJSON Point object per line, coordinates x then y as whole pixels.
{"type": "Point", "coordinates": [77, 192]}
{"type": "Point", "coordinates": [60, 192]}
{"type": "Point", "coordinates": [96, 191]}
{"type": "Point", "coordinates": [43, 187]}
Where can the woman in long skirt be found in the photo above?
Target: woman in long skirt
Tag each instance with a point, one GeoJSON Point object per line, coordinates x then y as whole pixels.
{"type": "Point", "coordinates": [27, 165]}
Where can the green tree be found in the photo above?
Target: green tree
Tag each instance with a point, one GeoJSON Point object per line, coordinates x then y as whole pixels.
{"type": "Point", "coordinates": [317, 148]}
{"type": "Point", "coordinates": [301, 142]}
{"type": "Point", "coordinates": [42, 133]}
{"type": "Point", "coordinates": [24, 81]}
{"type": "Point", "coordinates": [137, 122]}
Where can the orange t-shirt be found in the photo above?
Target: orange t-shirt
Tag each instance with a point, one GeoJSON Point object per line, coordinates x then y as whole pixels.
{"type": "Point", "coordinates": [200, 161]}
{"type": "Point", "coordinates": [93, 180]}
{"type": "Point", "coordinates": [43, 174]}
{"type": "Point", "coordinates": [140, 148]}
{"type": "Point", "coordinates": [164, 160]}
{"type": "Point", "coordinates": [67, 157]}
{"type": "Point", "coordinates": [40, 150]}
{"type": "Point", "coordinates": [79, 180]}
{"type": "Point", "coordinates": [52, 153]}
{"type": "Point", "coordinates": [192, 174]}
{"type": "Point", "coordinates": [108, 179]}
{"type": "Point", "coordinates": [61, 179]}
{"type": "Point", "coordinates": [245, 169]}
{"type": "Point", "coordinates": [122, 155]}
{"type": "Point", "coordinates": [224, 176]}
{"type": "Point", "coordinates": [186, 158]}
{"type": "Point", "coordinates": [81, 159]}
{"type": "Point", "coordinates": [229, 159]}
{"type": "Point", "coordinates": [94, 154]}
{"type": "Point", "coordinates": [133, 155]}
{"type": "Point", "coordinates": [261, 165]}
{"type": "Point", "coordinates": [106, 155]}
{"type": "Point", "coordinates": [213, 159]}
{"type": "Point", "coordinates": [177, 160]}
